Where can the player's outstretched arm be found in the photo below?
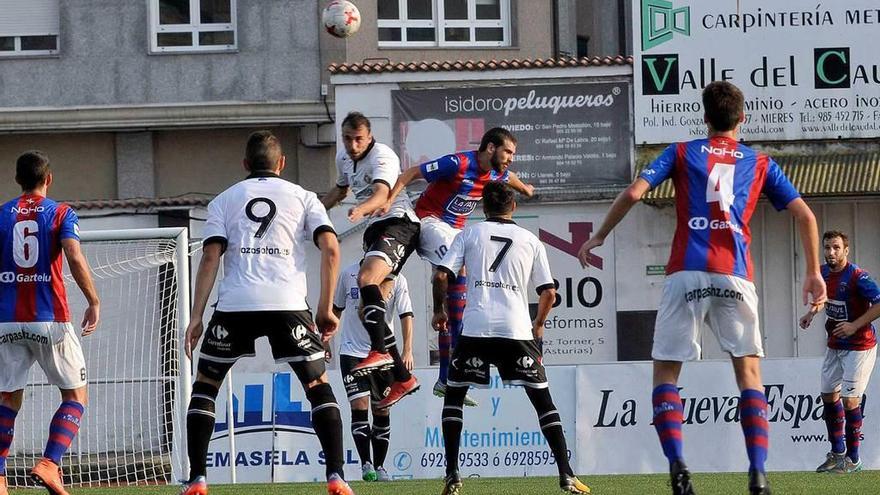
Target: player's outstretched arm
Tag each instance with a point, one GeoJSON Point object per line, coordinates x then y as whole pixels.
{"type": "Point", "coordinates": [324, 317]}
{"type": "Point", "coordinates": [621, 206]}
{"type": "Point", "coordinates": [406, 330]}
{"type": "Point", "coordinates": [205, 277]}
{"type": "Point", "coordinates": [334, 196]}
{"type": "Point", "coordinates": [365, 209]}
{"type": "Point", "coordinates": [814, 285]}
{"type": "Point", "coordinates": [79, 268]}
{"type": "Point", "coordinates": [519, 186]}
{"type": "Point", "coordinates": [405, 179]}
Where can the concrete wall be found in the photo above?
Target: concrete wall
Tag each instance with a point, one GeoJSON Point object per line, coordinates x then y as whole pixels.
{"type": "Point", "coordinates": [104, 59]}
{"type": "Point", "coordinates": [83, 165]}
{"type": "Point", "coordinates": [532, 26]}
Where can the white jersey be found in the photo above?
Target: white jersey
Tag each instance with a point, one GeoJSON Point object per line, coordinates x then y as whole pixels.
{"type": "Point", "coordinates": [500, 258]}
{"type": "Point", "coordinates": [380, 164]}
{"type": "Point", "coordinates": [354, 338]}
{"type": "Point", "coordinates": [265, 222]}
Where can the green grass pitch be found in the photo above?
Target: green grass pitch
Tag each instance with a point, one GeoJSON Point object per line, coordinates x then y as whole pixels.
{"type": "Point", "coordinates": [705, 484]}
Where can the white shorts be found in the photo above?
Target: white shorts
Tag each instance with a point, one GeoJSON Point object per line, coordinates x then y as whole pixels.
{"type": "Point", "coordinates": [847, 372]}
{"type": "Point", "coordinates": [693, 300]}
{"type": "Point", "coordinates": [52, 344]}
{"type": "Point", "coordinates": [435, 238]}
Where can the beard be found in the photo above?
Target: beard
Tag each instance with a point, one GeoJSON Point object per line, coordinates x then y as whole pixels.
{"type": "Point", "coordinates": [834, 262]}
{"type": "Point", "coordinates": [496, 163]}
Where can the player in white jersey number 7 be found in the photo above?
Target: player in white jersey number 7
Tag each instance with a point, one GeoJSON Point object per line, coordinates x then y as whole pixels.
{"type": "Point", "coordinates": [501, 260]}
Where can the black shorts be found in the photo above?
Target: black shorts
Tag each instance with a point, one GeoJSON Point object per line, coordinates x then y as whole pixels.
{"type": "Point", "coordinates": [518, 362]}
{"type": "Point", "coordinates": [292, 336]}
{"type": "Point", "coordinates": [376, 384]}
{"type": "Point", "coordinates": [393, 240]}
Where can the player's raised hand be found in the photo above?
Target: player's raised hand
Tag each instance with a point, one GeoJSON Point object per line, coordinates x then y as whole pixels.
{"type": "Point", "coordinates": [584, 252]}
{"type": "Point", "coordinates": [814, 290]}
{"type": "Point", "coordinates": [327, 324]}
{"type": "Point", "coordinates": [528, 190]}
{"type": "Point", "coordinates": [90, 319]}
{"type": "Point", "coordinates": [193, 333]}
{"type": "Point", "coordinates": [439, 321]}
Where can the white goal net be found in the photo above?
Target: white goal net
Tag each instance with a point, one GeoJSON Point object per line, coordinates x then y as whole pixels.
{"type": "Point", "coordinates": [132, 431]}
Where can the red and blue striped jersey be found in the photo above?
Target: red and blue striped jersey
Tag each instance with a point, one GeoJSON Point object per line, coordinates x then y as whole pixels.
{"type": "Point", "coordinates": [717, 184]}
{"type": "Point", "coordinates": [31, 278]}
{"type": "Point", "coordinates": [455, 186]}
{"type": "Point", "coordinates": [850, 293]}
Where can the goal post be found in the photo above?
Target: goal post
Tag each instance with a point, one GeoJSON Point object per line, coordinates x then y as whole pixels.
{"type": "Point", "coordinates": [133, 430]}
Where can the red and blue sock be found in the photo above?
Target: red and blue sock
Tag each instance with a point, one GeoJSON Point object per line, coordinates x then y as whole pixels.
{"type": "Point", "coordinates": [853, 433]}
{"type": "Point", "coordinates": [834, 420]}
{"type": "Point", "coordinates": [456, 294]}
{"type": "Point", "coordinates": [753, 419]}
{"type": "Point", "coordinates": [7, 427]}
{"type": "Point", "coordinates": [63, 429]}
{"type": "Point", "coordinates": [668, 416]}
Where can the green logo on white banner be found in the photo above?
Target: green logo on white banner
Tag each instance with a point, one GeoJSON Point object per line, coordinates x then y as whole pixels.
{"type": "Point", "coordinates": [660, 20]}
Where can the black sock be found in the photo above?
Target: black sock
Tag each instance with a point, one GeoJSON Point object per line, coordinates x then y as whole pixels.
{"type": "Point", "coordinates": [360, 431]}
{"type": "Point", "coordinates": [401, 374]}
{"type": "Point", "coordinates": [328, 425]}
{"type": "Point", "coordinates": [199, 427]}
{"type": "Point", "coordinates": [381, 437]}
{"type": "Point", "coordinates": [374, 316]}
{"type": "Point", "coordinates": [551, 426]}
{"type": "Point", "coordinates": [452, 424]}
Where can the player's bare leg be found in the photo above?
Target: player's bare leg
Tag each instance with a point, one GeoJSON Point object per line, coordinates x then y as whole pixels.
{"type": "Point", "coordinates": [668, 417]}
{"type": "Point", "coordinates": [753, 419]}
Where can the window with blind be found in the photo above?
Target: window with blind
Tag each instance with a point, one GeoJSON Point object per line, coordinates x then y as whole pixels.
{"type": "Point", "coordinates": [192, 26]}
{"type": "Point", "coordinates": [425, 23]}
{"type": "Point", "coordinates": [29, 27]}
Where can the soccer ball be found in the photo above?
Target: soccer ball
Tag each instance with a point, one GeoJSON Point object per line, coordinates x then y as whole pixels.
{"type": "Point", "coordinates": [341, 18]}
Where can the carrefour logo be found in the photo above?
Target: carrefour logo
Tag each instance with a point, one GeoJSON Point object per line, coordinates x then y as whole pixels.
{"type": "Point", "coordinates": [660, 20]}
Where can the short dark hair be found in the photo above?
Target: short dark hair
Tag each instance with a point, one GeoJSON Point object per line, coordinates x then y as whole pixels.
{"type": "Point", "coordinates": [356, 120]}
{"type": "Point", "coordinates": [496, 136]}
{"type": "Point", "coordinates": [498, 199]}
{"type": "Point", "coordinates": [263, 151]}
{"type": "Point", "coordinates": [723, 104]}
{"type": "Point", "coordinates": [831, 234]}
{"type": "Point", "coordinates": [31, 169]}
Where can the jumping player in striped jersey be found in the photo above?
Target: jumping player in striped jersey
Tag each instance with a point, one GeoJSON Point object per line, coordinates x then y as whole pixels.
{"type": "Point", "coordinates": [455, 186]}
{"type": "Point", "coordinates": [853, 303]}
{"type": "Point", "coordinates": [34, 316]}
{"type": "Point", "coordinates": [709, 275]}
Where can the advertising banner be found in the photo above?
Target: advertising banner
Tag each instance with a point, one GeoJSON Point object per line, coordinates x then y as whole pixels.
{"type": "Point", "coordinates": [274, 440]}
{"type": "Point", "coordinates": [572, 135]}
{"type": "Point", "coordinates": [582, 326]}
{"type": "Point", "coordinates": [808, 69]}
{"type": "Point", "coordinates": [614, 408]}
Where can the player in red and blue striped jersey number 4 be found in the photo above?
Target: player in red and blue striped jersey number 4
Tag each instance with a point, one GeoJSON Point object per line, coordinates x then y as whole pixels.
{"type": "Point", "coordinates": [853, 303]}
{"type": "Point", "coordinates": [709, 274]}
{"type": "Point", "coordinates": [34, 316]}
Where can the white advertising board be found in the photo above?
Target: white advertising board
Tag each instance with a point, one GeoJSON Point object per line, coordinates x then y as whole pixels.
{"type": "Point", "coordinates": [808, 69]}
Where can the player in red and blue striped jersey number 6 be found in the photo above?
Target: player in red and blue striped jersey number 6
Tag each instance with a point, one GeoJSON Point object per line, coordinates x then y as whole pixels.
{"type": "Point", "coordinates": [853, 303]}
{"type": "Point", "coordinates": [34, 316]}
{"type": "Point", "coordinates": [709, 275]}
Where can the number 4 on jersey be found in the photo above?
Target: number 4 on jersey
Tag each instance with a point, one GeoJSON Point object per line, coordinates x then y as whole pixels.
{"type": "Point", "coordinates": [719, 187]}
